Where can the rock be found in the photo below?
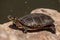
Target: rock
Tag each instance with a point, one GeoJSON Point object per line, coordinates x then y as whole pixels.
{"type": "Point", "coordinates": [51, 12]}
{"type": "Point", "coordinates": [7, 33]}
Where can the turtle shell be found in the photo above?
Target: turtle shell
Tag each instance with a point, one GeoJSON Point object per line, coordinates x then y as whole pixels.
{"type": "Point", "coordinates": [34, 20]}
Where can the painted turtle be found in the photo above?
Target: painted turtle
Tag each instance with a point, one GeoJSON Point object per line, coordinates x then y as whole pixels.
{"type": "Point", "coordinates": [33, 21]}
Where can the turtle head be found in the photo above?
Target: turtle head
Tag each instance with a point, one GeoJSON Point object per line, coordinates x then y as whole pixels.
{"type": "Point", "coordinates": [11, 18]}
{"type": "Point", "coordinates": [15, 21]}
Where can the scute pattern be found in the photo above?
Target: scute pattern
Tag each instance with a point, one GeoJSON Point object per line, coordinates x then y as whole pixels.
{"type": "Point", "coordinates": [36, 19]}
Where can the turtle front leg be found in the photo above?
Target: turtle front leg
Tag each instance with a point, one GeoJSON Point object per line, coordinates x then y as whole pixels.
{"type": "Point", "coordinates": [24, 29]}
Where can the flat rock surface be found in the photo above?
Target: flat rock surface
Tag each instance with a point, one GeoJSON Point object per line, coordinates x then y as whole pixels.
{"type": "Point", "coordinates": [7, 33]}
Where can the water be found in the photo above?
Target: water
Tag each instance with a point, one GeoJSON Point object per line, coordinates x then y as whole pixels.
{"type": "Point", "coordinates": [19, 8]}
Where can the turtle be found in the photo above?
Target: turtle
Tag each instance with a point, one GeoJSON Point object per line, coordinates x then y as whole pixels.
{"type": "Point", "coordinates": [33, 22]}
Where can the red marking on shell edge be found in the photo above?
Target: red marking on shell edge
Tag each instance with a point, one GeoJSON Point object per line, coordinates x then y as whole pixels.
{"type": "Point", "coordinates": [18, 24]}
{"type": "Point", "coordinates": [35, 28]}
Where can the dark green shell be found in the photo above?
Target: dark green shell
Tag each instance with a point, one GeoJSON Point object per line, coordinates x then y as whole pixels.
{"type": "Point", "coordinates": [36, 19]}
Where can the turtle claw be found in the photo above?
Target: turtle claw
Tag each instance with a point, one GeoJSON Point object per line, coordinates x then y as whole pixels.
{"type": "Point", "coordinates": [25, 29]}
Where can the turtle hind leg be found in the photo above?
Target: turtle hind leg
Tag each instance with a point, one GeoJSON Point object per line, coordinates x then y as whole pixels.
{"type": "Point", "coordinates": [24, 29]}
{"type": "Point", "coordinates": [50, 28]}
{"type": "Point", "coordinates": [53, 30]}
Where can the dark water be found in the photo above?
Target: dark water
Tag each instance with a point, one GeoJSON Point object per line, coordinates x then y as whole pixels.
{"type": "Point", "coordinates": [19, 8]}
